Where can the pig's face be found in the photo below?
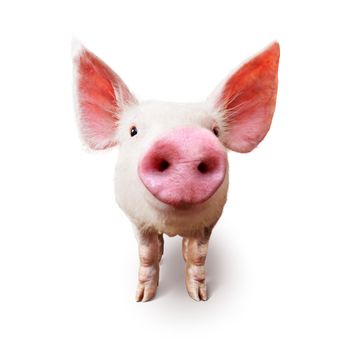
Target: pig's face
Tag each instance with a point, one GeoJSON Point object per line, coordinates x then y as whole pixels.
{"type": "Point", "coordinates": [172, 167]}
{"type": "Point", "coordinates": [173, 171]}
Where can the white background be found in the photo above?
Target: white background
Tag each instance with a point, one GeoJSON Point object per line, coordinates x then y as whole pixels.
{"type": "Point", "coordinates": [278, 265]}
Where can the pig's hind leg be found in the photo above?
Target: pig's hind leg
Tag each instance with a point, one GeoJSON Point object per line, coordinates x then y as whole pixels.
{"type": "Point", "coordinates": [149, 254]}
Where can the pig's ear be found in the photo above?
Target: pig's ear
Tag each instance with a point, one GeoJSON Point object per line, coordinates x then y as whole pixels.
{"type": "Point", "coordinates": [246, 101]}
{"type": "Point", "coordinates": [100, 98]}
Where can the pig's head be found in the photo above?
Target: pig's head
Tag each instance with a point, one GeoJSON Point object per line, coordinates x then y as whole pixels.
{"type": "Point", "coordinates": [172, 164]}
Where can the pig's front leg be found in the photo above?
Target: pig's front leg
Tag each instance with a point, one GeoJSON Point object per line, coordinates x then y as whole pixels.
{"type": "Point", "coordinates": [149, 254]}
{"type": "Point", "coordinates": [195, 251]}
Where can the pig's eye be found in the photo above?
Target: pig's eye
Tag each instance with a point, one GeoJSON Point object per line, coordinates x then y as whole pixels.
{"type": "Point", "coordinates": [216, 131]}
{"type": "Point", "coordinates": [133, 131]}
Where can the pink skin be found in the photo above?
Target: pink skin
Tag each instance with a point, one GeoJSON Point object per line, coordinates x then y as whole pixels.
{"type": "Point", "coordinates": [184, 167]}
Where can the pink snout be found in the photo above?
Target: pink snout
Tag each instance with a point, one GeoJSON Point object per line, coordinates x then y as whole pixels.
{"type": "Point", "coordinates": [184, 167]}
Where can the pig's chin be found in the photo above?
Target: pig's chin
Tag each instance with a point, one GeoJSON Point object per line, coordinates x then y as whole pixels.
{"type": "Point", "coordinates": [181, 206]}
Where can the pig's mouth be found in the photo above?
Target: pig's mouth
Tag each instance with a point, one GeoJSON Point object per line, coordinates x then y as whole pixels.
{"type": "Point", "coordinates": [181, 207]}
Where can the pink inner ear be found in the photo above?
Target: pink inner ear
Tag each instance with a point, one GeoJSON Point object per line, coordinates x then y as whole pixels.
{"type": "Point", "coordinates": [101, 94]}
{"type": "Point", "coordinates": [248, 100]}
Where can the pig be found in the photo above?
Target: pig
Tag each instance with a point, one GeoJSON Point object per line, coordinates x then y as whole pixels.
{"type": "Point", "coordinates": [171, 175]}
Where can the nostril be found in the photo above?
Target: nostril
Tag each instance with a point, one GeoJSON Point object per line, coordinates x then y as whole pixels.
{"type": "Point", "coordinates": [163, 165]}
{"type": "Point", "coordinates": [202, 168]}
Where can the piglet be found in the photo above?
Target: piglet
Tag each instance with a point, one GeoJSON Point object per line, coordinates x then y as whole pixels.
{"type": "Point", "coordinates": [172, 174]}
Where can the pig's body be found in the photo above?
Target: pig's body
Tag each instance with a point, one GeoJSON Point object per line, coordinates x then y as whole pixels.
{"type": "Point", "coordinates": [172, 173]}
